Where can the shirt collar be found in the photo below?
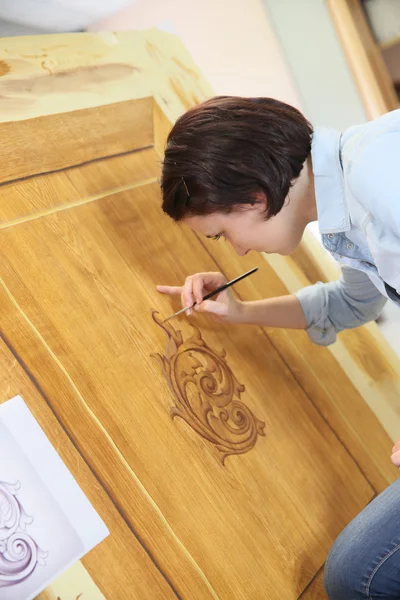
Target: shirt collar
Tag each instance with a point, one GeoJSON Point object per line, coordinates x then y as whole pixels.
{"type": "Point", "coordinates": [333, 215]}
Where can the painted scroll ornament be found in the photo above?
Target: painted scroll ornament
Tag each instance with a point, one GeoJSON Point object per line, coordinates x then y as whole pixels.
{"type": "Point", "coordinates": [19, 553]}
{"type": "Point", "coordinates": [207, 394]}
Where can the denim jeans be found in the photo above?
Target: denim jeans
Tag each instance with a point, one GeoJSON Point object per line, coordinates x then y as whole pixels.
{"type": "Point", "coordinates": [364, 562]}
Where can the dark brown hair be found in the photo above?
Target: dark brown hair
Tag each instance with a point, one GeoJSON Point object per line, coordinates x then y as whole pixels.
{"type": "Point", "coordinates": [227, 150]}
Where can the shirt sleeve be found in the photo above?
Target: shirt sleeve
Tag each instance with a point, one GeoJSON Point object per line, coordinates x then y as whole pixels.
{"type": "Point", "coordinates": [332, 307]}
{"type": "Point", "coordinates": [374, 181]}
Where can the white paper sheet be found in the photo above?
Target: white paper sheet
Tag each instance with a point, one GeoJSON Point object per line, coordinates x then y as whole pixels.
{"type": "Point", "coordinates": [46, 522]}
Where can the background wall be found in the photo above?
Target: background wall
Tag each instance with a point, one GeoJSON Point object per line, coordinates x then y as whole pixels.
{"type": "Point", "coordinates": [232, 42]}
{"type": "Point", "coordinates": [313, 53]}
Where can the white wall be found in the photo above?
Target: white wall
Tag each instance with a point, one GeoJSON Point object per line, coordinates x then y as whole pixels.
{"type": "Point", "coordinates": [231, 41]}
{"type": "Point", "coordinates": [313, 52]}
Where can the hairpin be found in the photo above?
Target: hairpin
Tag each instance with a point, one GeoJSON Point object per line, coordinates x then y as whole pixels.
{"type": "Point", "coordinates": [186, 188]}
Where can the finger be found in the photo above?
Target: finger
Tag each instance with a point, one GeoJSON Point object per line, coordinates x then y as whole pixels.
{"type": "Point", "coordinates": [212, 279]}
{"type": "Point", "coordinates": [198, 288]}
{"type": "Point", "coordinates": [396, 458]}
{"type": "Point", "coordinates": [205, 282]}
{"type": "Point", "coordinates": [187, 295]}
{"type": "Point", "coordinates": [172, 290]}
{"type": "Point", "coordinates": [215, 308]}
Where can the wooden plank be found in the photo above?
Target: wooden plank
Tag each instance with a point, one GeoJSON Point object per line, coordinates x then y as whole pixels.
{"type": "Point", "coordinates": [127, 570]}
{"type": "Point", "coordinates": [391, 56]}
{"type": "Point", "coordinates": [364, 57]}
{"type": "Point", "coordinates": [103, 259]}
{"type": "Point", "coordinates": [55, 142]}
{"type": "Point", "coordinates": [315, 591]}
{"type": "Point", "coordinates": [118, 480]}
{"type": "Point", "coordinates": [162, 127]}
{"type": "Point", "coordinates": [319, 374]}
{"type": "Point", "coordinates": [374, 53]}
{"type": "Point", "coordinates": [74, 583]}
{"type": "Point", "coordinates": [174, 87]}
{"type": "Point", "coordinates": [39, 195]}
{"type": "Point", "coordinates": [312, 271]}
{"type": "Point", "coordinates": [363, 353]}
{"type": "Point", "coordinates": [50, 74]}
{"type": "Point", "coordinates": [138, 168]}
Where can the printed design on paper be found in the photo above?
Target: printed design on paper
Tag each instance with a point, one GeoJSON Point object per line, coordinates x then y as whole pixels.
{"type": "Point", "coordinates": [19, 553]}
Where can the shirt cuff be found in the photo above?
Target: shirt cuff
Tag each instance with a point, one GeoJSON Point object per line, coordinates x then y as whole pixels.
{"type": "Point", "coordinates": [315, 304]}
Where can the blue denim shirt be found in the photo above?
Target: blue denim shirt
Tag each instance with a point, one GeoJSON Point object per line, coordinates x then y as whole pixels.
{"type": "Point", "coordinates": [357, 187]}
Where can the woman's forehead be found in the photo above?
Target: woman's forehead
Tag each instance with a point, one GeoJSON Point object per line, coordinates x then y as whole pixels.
{"type": "Point", "coordinates": [208, 225]}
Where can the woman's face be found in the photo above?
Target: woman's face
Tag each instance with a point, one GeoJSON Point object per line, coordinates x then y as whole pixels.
{"type": "Point", "coordinates": [245, 228]}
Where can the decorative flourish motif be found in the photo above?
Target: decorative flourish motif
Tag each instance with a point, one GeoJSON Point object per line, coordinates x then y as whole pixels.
{"type": "Point", "coordinates": [19, 553]}
{"type": "Point", "coordinates": [207, 393]}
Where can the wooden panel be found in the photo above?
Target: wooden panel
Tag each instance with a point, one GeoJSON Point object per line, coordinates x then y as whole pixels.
{"type": "Point", "coordinates": [88, 291]}
{"type": "Point", "coordinates": [134, 169]}
{"type": "Point", "coordinates": [85, 277]}
{"type": "Point", "coordinates": [374, 54]}
{"type": "Point", "coordinates": [391, 56]}
{"type": "Point", "coordinates": [315, 591]}
{"type": "Point", "coordinates": [317, 371]}
{"type": "Point", "coordinates": [50, 74]}
{"type": "Point", "coordinates": [55, 142]}
{"type": "Point", "coordinates": [364, 57]}
{"type": "Point", "coordinates": [162, 127]}
{"type": "Point", "coordinates": [44, 194]}
{"type": "Point", "coordinates": [126, 570]}
{"type": "Point", "coordinates": [304, 259]}
{"type": "Point", "coordinates": [74, 583]}
{"type": "Point", "coordinates": [129, 496]}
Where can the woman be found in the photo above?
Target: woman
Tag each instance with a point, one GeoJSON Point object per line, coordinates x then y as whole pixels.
{"type": "Point", "coordinates": [253, 170]}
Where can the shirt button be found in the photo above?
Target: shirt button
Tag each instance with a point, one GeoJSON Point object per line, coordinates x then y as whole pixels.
{"type": "Point", "coordinates": [331, 236]}
{"type": "Point", "coordinates": [350, 246]}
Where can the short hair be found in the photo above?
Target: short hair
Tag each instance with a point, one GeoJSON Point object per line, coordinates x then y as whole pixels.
{"type": "Point", "coordinates": [225, 151]}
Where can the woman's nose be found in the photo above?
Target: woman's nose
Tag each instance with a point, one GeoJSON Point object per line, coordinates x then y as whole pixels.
{"type": "Point", "coordinates": [239, 249]}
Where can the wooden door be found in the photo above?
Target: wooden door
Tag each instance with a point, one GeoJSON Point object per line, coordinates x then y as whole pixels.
{"type": "Point", "coordinates": [211, 462]}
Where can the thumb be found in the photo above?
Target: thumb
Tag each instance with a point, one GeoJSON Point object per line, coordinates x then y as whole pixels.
{"type": "Point", "coordinates": [396, 458]}
{"type": "Point", "coordinates": [215, 308]}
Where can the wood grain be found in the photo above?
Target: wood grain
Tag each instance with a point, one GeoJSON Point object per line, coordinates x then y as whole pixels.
{"type": "Point", "coordinates": [88, 289]}
{"type": "Point", "coordinates": [73, 584]}
{"type": "Point", "coordinates": [76, 295]}
{"type": "Point", "coordinates": [391, 56]}
{"type": "Point", "coordinates": [45, 75]}
{"type": "Point", "coordinates": [162, 126]}
{"type": "Point", "coordinates": [304, 259]}
{"type": "Point", "coordinates": [112, 129]}
{"type": "Point", "coordinates": [43, 194]}
{"type": "Point", "coordinates": [315, 591]}
{"type": "Point", "coordinates": [122, 558]}
{"type": "Point", "coordinates": [318, 373]}
{"type": "Point", "coordinates": [115, 475]}
{"type": "Point", "coordinates": [364, 57]}
{"type": "Point", "coordinates": [363, 354]}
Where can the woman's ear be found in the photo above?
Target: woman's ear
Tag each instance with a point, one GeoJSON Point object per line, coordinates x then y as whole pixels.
{"type": "Point", "coordinates": [260, 201]}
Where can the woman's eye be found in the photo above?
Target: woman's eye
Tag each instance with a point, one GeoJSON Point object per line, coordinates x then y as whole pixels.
{"type": "Point", "coordinates": [216, 238]}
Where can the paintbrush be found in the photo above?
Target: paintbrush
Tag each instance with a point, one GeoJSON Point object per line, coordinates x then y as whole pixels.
{"type": "Point", "coordinates": [215, 292]}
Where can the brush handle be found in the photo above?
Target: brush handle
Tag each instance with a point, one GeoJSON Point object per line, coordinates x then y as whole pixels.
{"type": "Point", "coordinates": [228, 284]}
